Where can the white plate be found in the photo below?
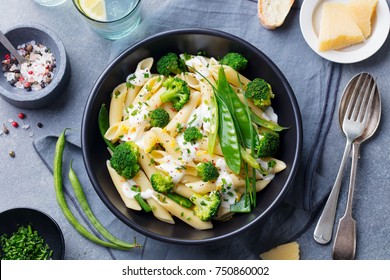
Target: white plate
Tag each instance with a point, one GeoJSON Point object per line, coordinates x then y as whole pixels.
{"type": "Point", "coordinates": [310, 18]}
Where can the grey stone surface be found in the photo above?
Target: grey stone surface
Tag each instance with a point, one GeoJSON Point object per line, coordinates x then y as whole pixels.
{"type": "Point", "coordinates": [27, 182]}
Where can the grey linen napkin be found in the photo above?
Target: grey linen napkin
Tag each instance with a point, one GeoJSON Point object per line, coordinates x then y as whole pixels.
{"type": "Point", "coordinates": [316, 86]}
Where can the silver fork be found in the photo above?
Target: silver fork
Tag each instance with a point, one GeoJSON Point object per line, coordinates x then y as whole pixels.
{"type": "Point", "coordinates": [354, 122]}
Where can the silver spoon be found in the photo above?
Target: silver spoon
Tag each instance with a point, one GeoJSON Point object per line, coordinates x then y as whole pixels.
{"type": "Point", "coordinates": [344, 247]}
{"type": "Point", "coordinates": [7, 44]}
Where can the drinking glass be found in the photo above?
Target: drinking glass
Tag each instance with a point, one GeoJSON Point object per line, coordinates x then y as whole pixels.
{"type": "Point", "coordinates": [49, 3]}
{"type": "Point", "coordinates": [121, 17]}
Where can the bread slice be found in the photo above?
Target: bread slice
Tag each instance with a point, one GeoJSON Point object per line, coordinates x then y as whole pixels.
{"type": "Point", "coordinates": [363, 12]}
{"type": "Point", "coordinates": [338, 28]}
{"type": "Point", "coordinates": [272, 13]}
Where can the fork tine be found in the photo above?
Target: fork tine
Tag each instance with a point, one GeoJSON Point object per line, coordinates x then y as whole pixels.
{"type": "Point", "coordinates": [362, 92]}
{"type": "Point", "coordinates": [351, 102]}
{"type": "Point", "coordinates": [367, 110]}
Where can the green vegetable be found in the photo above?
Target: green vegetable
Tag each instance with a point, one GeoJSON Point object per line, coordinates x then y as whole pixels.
{"type": "Point", "coordinates": [268, 144]}
{"type": "Point", "coordinates": [260, 92]}
{"type": "Point", "coordinates": [228, 137]}
{"type": "Point", "coordinates": [24, 244]}
{"type": "Point", "coordinates": [206, 206]}
{"type": "Point", "coordinates": [177, 92]}
{"type": "Point", "coordinates": [80, 196]}
{"type": "Point", "coordinates": [144, 205]}
{"type": "Point", "coordinates": [159, 118]}
{"type": "Point", "coordinates": [125, 159]}
{"type": "Point", "coordinates": [103, 123]}
{"type": "Point", "coordinates": [236, 107]}
{"type": "Point", "coordinates": [235, 60]}
{"type": "Point", "coordinates": [57, 171]}
{"type": "Point", "coordinates": [162, 183]}
{"type": "Point", "coordinates": [179, 199]}
{"type": "Point", "coordinates": [207, 171]}
{"type": "Point", "coordinates": [170, 64]}
{"type": "Point", "coordinates": [265, 123]}
{"type": "Point", "coordinates": [192, 134]}
{"type": "Point", "coordinates": [242, 206]}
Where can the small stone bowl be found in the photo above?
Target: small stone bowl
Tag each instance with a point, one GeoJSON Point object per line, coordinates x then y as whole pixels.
{"type": "Point", "coordinates": [22, 98]}
{"type": "Point", "coordinates": [46, 226]}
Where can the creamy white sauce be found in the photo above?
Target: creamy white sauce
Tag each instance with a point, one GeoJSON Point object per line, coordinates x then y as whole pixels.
{"type": "Point", "coordinates": [173, 167]}
{"type": "Point", "coordinates": [139, 77]}
{"type": "Point", "coordinates": [264, 165]}
{"type": "Point", "coordinates": [270, 115]}
{"type": "Point", "coordinates": [126, 189]}
{"type": "Point", "coordinates": [199, 63]}
{"type": "Point", "coordinates": [128, 192]}
{"type": "Point", "coordinates": [228, 194]}
{"type": "Point", "coordinates": [188, 150]}
{"type": "Point", "coordinates": [137, 121]}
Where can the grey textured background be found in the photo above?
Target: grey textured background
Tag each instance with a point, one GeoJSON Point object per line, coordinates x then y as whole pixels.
{"type": "Point", "coordinates": [317, 83]}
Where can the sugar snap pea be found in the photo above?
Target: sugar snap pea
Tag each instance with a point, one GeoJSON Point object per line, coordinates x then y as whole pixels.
{"type": "Point", "coordinates": [228, 137]}
{"type": "Point", "coordinates": [57, 171]}
{"type": "Point", "coordinates": [80, 195]}
{"type": "Point", "coordinates": [237, 108]}
{"type": "Point", "coordinates": [104, 125]}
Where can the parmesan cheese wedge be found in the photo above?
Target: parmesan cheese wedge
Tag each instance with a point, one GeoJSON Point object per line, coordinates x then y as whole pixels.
{"type": "Point", "coordinates": [288, 251]}
{"type": "Point", "coordinates": [363, 12]}
{"type": "Point", "coordinates": [338, 28]}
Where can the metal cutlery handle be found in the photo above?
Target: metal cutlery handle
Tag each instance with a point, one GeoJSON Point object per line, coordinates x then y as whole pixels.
{"type": "Point", "coordinates": [324, 229]}
{"type": "Point", "coordinates": [7, 44]}
{"type": "Point", "coordinates": [345, 243]}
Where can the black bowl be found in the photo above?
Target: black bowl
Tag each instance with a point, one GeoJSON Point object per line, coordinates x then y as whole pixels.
{"type": "Point", "coordinates": [48, 229]}
{"type": "Point", "coordinates": [22, 34]}
{"type": "Point", "coordinates": [216, 44]}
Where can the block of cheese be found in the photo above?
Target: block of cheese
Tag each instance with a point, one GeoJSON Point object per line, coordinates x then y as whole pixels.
{"type": "Point", "coordinates": [288, 251]}
{"type": "Point", "coordinates": [363, 12]}
{"type": "Point", "coordinates": [338, 28]}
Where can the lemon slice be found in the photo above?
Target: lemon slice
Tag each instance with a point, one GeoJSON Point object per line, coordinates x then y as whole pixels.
{"type": "Point", "coordinates": [95, 9]}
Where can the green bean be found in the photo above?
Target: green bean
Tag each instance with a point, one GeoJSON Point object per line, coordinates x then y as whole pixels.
{"type": "Point", "coordinates": [103, 123]}
{"type": "Point", "coordinates": [144, 205]}
{"type": "Point", "coordinates": [80, 195]}
{"type": "Point", "coordinates": [265, 123]}
{"type": "Point", "coordinates": [228, 137]}
{"type": "Point", "coordinates": [181, 200]}
{"type": "Point", "coordinates": [57, 171]}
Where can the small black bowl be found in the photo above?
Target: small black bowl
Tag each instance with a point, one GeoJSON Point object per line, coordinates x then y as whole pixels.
{"type": "Point", "coordinates": [48, 229]}
{"type": "Point", "coordinates": [21, 98]}
{"type": "Point", "coordinates": [215, 44]}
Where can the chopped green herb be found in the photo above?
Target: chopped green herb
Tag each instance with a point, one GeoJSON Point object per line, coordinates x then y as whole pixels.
{"type": "Point", "coordinates": [24, 244]}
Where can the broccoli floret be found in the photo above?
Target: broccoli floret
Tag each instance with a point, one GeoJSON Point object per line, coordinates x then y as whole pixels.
{"type": "Point", "coordinates": [125, 159]}
{"type": "Point", "coordinates": [235, 60]}
{"type": "Point", "coordinates": [159, 118]}
{"type": "Point", "coordinates": [268, 144]}
{"type": "Point", "coordinates": [177, 92]}
{"type": "Point", "coordinates": [162, 183]}
{"type": "Point", "coordinates": [206, 206]}
{"type": "Point", "coordinates": [207, 171]}
{"type": "Point", "coordinates": [260, 92]}
{"type": "Point", "coordinates": [170, 64]}
{"type": "Point", "coordinates": [192, 134]}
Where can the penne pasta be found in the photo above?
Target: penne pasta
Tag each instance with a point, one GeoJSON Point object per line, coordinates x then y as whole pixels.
{"type": "Point", "coordinates": [175, 155]}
